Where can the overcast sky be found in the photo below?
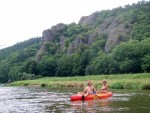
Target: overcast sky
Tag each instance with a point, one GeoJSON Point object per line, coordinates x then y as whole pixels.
{"type": "Point", "coordinates": [24, 19]}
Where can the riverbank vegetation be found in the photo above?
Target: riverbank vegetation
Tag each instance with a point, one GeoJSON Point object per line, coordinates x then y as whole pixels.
{"type": "Point", "coordinates": [120, 81]}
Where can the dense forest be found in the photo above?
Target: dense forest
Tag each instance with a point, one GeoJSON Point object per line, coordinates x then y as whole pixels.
{"type": "Point", "coordinates": [105, 42]}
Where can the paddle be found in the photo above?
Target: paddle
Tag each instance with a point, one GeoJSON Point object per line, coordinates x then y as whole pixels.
{"type": "Point", "coordinates": [83, 98]}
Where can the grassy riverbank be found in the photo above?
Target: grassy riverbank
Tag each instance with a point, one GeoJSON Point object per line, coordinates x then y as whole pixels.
{"type": "Point", "coordinates": [120, 81]}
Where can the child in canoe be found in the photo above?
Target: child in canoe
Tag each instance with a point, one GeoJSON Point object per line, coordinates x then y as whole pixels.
{"type": "Point", "coordinates": [104, 87]}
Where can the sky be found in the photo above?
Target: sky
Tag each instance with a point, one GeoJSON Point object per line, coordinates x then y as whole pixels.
{"type": "Point", "coordinates": [21, 20]}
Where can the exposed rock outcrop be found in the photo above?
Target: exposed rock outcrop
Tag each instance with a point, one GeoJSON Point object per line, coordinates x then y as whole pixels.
{"type": "Point", "coordinates": [88, 40]}
{"type": "Point", "coordinates": [116, 30]}
{"type": "Point", "coordinates": [113, 27]}
{"type": "Point", "coordinates": [89, 20]}
{"type": "Point", "coordinates": [48, 36]}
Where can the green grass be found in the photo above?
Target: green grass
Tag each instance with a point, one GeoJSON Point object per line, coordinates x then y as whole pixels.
{"type": "Point", "coordinates": [120, 81]}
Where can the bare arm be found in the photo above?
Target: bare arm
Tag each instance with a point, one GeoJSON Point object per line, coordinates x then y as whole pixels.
{"type": "Point", "coordinates": [85, 89]}
{"type": "Point", "coordinates": [104, 88]}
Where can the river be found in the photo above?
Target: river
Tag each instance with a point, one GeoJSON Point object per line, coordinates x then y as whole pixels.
{"type": "Point", "coordinates": [40, 100]}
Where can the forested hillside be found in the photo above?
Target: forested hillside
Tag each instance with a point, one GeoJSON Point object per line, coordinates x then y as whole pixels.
{"type": "Point", "coordinates": [14, 59]}
{"type": "Point", "coordinates": [105, 42]}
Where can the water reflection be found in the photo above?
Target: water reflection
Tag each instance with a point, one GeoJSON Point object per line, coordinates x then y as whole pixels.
{"type": "Point", "coordinates": [91, 106]}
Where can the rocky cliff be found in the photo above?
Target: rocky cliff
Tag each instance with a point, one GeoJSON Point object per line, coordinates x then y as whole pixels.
{"type": "Point", "coordinates": [115, 28]}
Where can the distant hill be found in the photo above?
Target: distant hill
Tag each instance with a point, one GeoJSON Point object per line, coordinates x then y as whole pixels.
{"type": "Point", "coordinates": [105, 42]}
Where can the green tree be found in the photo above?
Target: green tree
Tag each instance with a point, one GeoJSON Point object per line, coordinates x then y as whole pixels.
{"type": "Point", "coordinates": [30, 67]}
{"type": "Point", "coordinates": [127, 66]}
{"type": "Point", "coordinates": [146, 63]}
{"type": "Point", "coordinates": [65, 66]}
{"type": "Point", "coordinates": [47, 67]}
{"type": "Point", "coordinates": [99, 65]}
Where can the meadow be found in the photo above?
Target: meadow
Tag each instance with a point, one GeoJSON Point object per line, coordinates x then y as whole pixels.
{"type": "Point", "coordinates": [121, 81]}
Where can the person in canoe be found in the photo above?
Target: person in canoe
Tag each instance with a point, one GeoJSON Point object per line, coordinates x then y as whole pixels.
{"type": "Point", "coordinates": [89, 89]}
{"type": "Point", "coordinates": [104, 87]}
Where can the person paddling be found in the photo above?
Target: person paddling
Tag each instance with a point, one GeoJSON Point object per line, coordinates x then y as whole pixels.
{"type": "Point", "coordinates": [89, 89]}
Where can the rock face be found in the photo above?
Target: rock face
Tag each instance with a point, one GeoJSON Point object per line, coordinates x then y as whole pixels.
{"type": "Point", "coordinates": [113, 27]}
{"type": "Point", "coordinates": [89, 20]}
{"type": "Point", "coordinates": [116, 30]}
{"type": "Point", "coordinates": [88, 40]}
{"type": "Point", "coordinates": [48, 36]}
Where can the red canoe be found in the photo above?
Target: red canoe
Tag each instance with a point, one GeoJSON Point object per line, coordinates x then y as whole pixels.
{"type": "Point", "coordinates": [78, 97]}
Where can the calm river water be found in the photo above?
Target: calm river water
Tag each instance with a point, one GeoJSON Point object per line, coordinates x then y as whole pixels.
{"type": "Point", "coordinates": [38, 100]}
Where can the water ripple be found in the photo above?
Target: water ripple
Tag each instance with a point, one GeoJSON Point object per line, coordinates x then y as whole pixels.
{"type": "Point", "coordinates": [37, 100]}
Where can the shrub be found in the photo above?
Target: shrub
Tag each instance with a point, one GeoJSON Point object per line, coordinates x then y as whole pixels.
{"type": "Point", "coordinates": [49, 85]}
{"type": "Point", "coordinates": [25, 84]}
{"type": "Point", "coordinates": [117, 85]}
{"type": "Point", "coordinates": [43, 85]}
{"type": "Point", "coordinates": [128, 85]}
{"type": "Point", "coordinates": [145, 85]}
{"type": "Point", "coordinates": [62, 85]}
{"type": "Point", "coordinates": [135, 86]}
